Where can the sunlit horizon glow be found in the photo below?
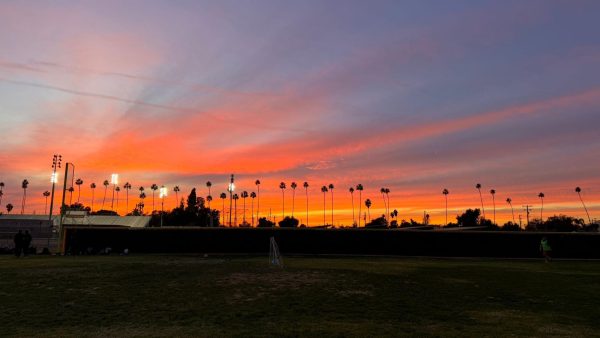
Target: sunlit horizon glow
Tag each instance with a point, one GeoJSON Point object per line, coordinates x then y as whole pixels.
{"type": "Point", "coordinates": [410, 95]}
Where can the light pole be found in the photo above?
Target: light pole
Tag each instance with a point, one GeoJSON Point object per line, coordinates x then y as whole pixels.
{"type": "Point", "coordinates": [162, 195]}
{"type": "Point", "coordinates": [114, 180]}
{"type": "Point", "coordinates": [230, 188]}
{"type": "Point", "coordinates": [56, 161]}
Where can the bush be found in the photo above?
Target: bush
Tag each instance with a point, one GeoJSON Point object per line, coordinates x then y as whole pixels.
{"type": "Point", "coordinates": [288, 222]}
{"type": "Point", "coordinates": [263, 222]}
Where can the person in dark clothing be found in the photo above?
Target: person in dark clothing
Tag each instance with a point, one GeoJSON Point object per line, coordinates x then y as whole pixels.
{"type": "Point", "coordinates": [18, 243]}
{"type": "Point", "coordinates": [26, 242]}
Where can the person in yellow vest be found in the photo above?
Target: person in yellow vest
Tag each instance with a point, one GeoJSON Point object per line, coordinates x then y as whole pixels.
{"type": "Point", "coordinates": [546, 249]}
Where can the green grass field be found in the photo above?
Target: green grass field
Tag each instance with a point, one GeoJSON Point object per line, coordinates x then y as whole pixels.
{"type": "Point", "coordinates": [238, 296]}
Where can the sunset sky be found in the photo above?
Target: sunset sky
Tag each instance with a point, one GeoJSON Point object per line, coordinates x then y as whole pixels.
{"type": "Point", "coordinates": [415, 96]}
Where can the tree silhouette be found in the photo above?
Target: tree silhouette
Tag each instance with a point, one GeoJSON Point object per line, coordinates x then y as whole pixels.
{"type": "Point", "coordinates": [368, 205]}
{"type": "Point", "coordinates": [1, 191]}
{"type": "Point", "coordinates": [352, 197]}
{"type": "Point", "coordinates": [142, 197]}
{"type": "Point", "coordinates": [359, 188]}
{"type": "Point", "coordinates": [306, 191]}
{"type": "Point", "coordinates": [79, 182]}
{"type": "Point", "coordinates": [478, 187]}
{"type": "Point", "coordinates": [208, 185]}
{"type": "Point", "coordinates": [70, 190]}
{"type": "Point", "coordinates": [382, 191]}
{"type": "Point", "coordinates": [117, 189]}
{"type": "Point", "coordinates": [446, 192]}
{"type": "Point", "coordinates": [9, 208]}
{"type": "Point", "coordinates": [253, 196]}
{"type": "Point", "coordinates": [493, 192]}
{"type": "Point", "coordinates": [24, 185]}
{"type": "Point", "coordinates": [154, 187]}
{"type": "Point", "coordinates": [578, 191]}
{"type": "Point", "coordinates": [176, 190]}
{"type": "Point", "coordinates": [105, 183]}
{"type": "Point", "coordinates": [282, 187]}
{"type": "Point", "coordinates": [541, 196]}
{"type": "Point", "coordinates": [324, 191]}
{"type": "Point", "coordinates": [93, 187]}
{"type": "Point", "coordinates": [387, 194]}
{"type": "Point", "coordinates": [244, 196]}
{"type": "Point", "coordinates": [46, 194]}
{"type": "Point", "coordinates": [127, 187]}
{"type": "Point", "coordinates": [331, 190]}
{"type": "Point", "coordinates": [293, 186]}
{"type": "Point", "coordinates": [235, 198]}
{"type": "Point", "coordinates": [509, 201]}
{"type": "Point", "coordinates": [223, 196]}
{"type": "Point", "coordinates": [257, 183]}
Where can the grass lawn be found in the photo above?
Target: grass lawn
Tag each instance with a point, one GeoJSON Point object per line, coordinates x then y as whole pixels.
{"type": "Point", "coordinates": [158, 295]}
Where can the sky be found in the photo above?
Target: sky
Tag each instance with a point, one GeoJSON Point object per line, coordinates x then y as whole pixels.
{"type": "Point", "coordinates": [414, 96]}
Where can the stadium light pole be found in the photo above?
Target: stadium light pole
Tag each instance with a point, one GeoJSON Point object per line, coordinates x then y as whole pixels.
{"type": "Point", "coordinates": [56, 161]}
{"type": "Point", "coordinates": [63, 207]}
{"type": "Point", "coordinates": [114, 179]}
{"type": "Point", "coordinates": [162, 194]}
{"type": "Point", "coordinates": [230, 188]}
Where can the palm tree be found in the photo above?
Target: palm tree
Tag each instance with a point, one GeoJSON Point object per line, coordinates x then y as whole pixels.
{"type": "Point", "coordinates": [154, 187]}
{"type": "Point", "coordinates": [541, 196]}
{"type": "Point", "coordinates": [257, 182]}
{"type": "Point", "coordinates": [127, 187]}
{"type": "Point", "coordinates": [176, 190]}
{"type": "Point", "coordinates": [24, 185]}
{"type": "Point", "coordinates": [208, 185]}
{"type": "Point", "coordinates": [235, 198]}
{"type": "Point", "coordinates": [395, 214]}
{"type": "Point", "coordinates": [293, 186]}
{"type": "Point", "coordinates": [306, 190]}
{"type": "Point", "coordinates": [387, 194]}
{"type": "Point", "coordinates": [331, 190]}
{"type": "Point", "coordinates": [578, 191]}
{"type": "Point", "coordinates": [324, 191]}
{"type": "Point", "coordinates": [368, 205]}
{"type": "Point", "coordinates": [70, 190]}
{"type": "Point", "coordinates": [253, 196]}
{"type": "Point", "coordinates": [142, 196]}
{"type": "Point", "coordinates": [359, 188]}
{"type": "Point", "coordinates": [105, 183]}
{"type": "Point", "coordinates": [352, 196]}
{"type": "Point", "coordinates": [282, 187]}
{"type": "Point", "coordinates": [79, 182]}
{"type": "Point", "coordinates": [493, 192]}
{"type": "Point", "coordinates": [244, 196]}
{"type": "Point", "coordinates": [446, 192]}
{"type": "Point", "coordinates": [509, 201]}
{"type": "Point", "coordinates": [9, 208]}
{"type": "Point", "coordinates": [223, 196]}
{"type": "Point", "coordinates": [209, 198]}
{"type": "Point", "coordinates": [1, 192]}
{"type": "Point", "coordinates": [117, 189]}
{"type": "Point", "coordinates": [46, 194]}
{"type": "Point", "coordinates": [382, 190]}
{"type": "Point", "coordinates": [93, 187]}
{"type": "Point", "coordinates": [478, 187]}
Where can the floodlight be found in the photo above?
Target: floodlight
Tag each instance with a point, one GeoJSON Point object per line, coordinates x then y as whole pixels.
{"type": "Point", "coordinates": [114, 179]}
{"type": "Point", "coordinates": [163, 192]}
{"type": "Point", "coordinates": [54, 178]}
{"type": "Point", "coordinates": [231, 187]}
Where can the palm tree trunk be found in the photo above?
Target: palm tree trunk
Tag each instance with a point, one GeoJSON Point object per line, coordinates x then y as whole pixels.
{"type": "Point", "coordinates": [46, 205]}
{"type": "Point", "coordinates": [353, 217]}
{"type": "Point", "coordinates": [235, 212]}
{"type": "Point", "coordinates": [104, 198]}
{"type": "Point", "coordinates": [542, 211]}
{"type": "Point", "coordinates": [388, 203]}
{"type": "Point", "coordinates": [482, 208]}
{"type": "Point", "coordinates": [446, 209]}
{"type": "Point", "coordinates": [494, 203]}
{"type": "Point", "coordinates": [324, 222]}
{"type": "Point", "coordinates": [306, 206]}
{"type": "Point", "coordinates": [252, 209]}
{"type": "Point", "coordinates": [126, 201]}
{"type": "Point", "coordinates": [331, 207]}
{"type": "Point", "coordinates": [384, 206]}
{"type": "Point", "coordinates": [223, 211]}
{"type": "Point", "coordinates": [283, 204]}
{"type": "Point", "coordinates": [23, 202]}
{"type": "Point", "coordinates": [258, 203]}
{"type": "Point", "coordinates": [244, 218]}
{"type": "Point", "coordinates": [176, 199]}
{"type": "Point", "coordinates": [153, 201]}
{"type": "Point", "coordinates": [512, 210]}
{"type": "Point", "coordinates": [78, 193]}
{"type": "Point", "coordinates": [93, 200]}
{"type": "Point", "coordinates": [293, 201]}
{"type": "Point", "coordinates": [359, 206]}
{"type": "Point", "coordinates": [585, 208]}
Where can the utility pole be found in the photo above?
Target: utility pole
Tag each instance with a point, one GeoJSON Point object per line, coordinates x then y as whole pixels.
{"type": "Point", "coordinates": [56, 161]}
{"type": "Point", "coordinates": [520, 225]}
{"type": "Point", "coordinates": [528, 209]}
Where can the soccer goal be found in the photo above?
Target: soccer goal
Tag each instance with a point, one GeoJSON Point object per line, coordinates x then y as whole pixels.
{"type": "Point", "coordinates": [275, 258]}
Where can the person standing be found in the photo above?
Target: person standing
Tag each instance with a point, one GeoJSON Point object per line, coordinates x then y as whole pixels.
{"type": "Point", "coordinates": [18, 239]}
{"type": "Point", "coordinates": [26, 242]}
{"type": "Point", "coordinates": [546, 249]}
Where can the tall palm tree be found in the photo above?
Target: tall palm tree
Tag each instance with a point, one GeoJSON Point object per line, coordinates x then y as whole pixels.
{"type": "Point", "coordinates": [9, 208]}
{"type": "Point", "coordinates": [382, 191]}
{"type": "Point", "coordinates": [46, 194]}
{"type": "Point", "coordinates": [93, 187]}
{"type": "Point", "coordinates": [223, 196]}
{"type": "Point", "coordinates": [154, 187]}
{"type": "Point", "coordinates": [387, 194]}
{"type": "Point", "coordinates": [331, 190]}
{"type": "Point", "coordinates": [105, 183]}
{"type": "Point", "coordinates": [235, 198]}
{"type": "Point", "coordinates": [282, 187]}
{"type": "Point", "coordinates": [127, 187]}
{"type": "Point", "coordinates": [257, 182]}
{"type": "Point", "coordinates": [509, 201]}
{"type": "Point", "coordinates": [208, 185]}
{"type": "Point", "coordinates": [578, 191]}
{"type": "Point", "coordinates": [79, 182]}
{"type": "Point", "coordinates": [70, 190]}
{"type": "Point", "coordinates": [493, 192]}
{"type": "Point", "coordinates": [142, 196]}
{"type": "Point", "coordinates": [359, 188]}
{"type": "Point", "coordinates": [478, 187]}
{"type": "Point", "coordinates": [117, 189]}
{"type": "Point", "coordinates": [541, 196]}
{"type": "Point", "coordinates": [24, 185]}
{"type": "Point", "coordinates": [293, 186]}
{"type": "Point", "coordinates": [209, 198]}
{"type": "Point", "coordinates": [446, 192]}
{"type": "Point", "coordinates": [244, 196]}
{"type": "Point", "coordinates": [368, 205]}
{"type": "Point", "coordinates": [352, 197]}
{"type": "Point", "coordinates": [176, 190]}
{"type": "Point", "coordinates": [324, 191]}
{"type": "Point", "coordinates": [253, 196]}
{"type": "Point", "coordinates": [1, 191]}
{"type": "Point", "coordinates": [306, 190]}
